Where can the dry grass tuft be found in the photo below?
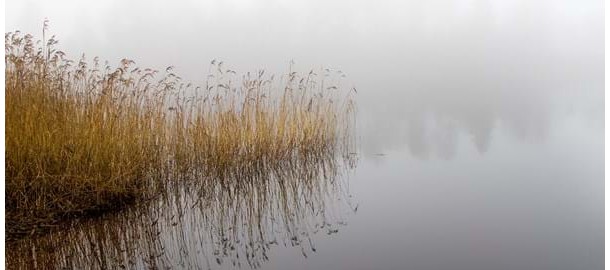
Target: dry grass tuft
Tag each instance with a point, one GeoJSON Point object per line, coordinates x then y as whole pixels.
{"type": "Point", "coordinates": [83, 137]}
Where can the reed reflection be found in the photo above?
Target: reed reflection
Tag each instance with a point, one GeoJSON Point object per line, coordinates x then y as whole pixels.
{"type": "Point", "coordinates": [207, 220]}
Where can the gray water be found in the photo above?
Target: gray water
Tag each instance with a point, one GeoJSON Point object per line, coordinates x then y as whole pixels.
{"type": "Point", "coordinates": [480, 124]}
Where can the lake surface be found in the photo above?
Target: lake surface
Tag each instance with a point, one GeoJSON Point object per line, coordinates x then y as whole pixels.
{"type": "Point", "coordinates": [480, 134]}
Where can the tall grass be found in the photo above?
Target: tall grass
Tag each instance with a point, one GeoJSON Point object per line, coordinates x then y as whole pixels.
{"type": "Point", "coordinates": [83, 137]}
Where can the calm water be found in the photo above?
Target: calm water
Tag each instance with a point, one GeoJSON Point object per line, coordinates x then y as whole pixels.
{"type": "Point", "coordinates": [480, 134]}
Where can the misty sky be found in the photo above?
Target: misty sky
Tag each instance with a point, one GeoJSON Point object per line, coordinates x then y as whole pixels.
{"type": "Point", "coordinates": [431, 69]}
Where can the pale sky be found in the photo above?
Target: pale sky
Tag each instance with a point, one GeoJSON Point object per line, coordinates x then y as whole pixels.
{"type": "Point", "coordinates": [473, 62]}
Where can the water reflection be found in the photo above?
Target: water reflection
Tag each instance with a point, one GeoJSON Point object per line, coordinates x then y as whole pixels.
{"type": "Point", "coordinates": [206, 222]}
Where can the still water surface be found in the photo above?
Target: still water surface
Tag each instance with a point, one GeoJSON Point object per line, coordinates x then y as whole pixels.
{"type": "Point", "coordinates": [480, 134]}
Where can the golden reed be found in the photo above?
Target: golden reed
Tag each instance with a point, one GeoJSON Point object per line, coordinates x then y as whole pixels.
{"type": "Point", "coordinates": [82, 137]}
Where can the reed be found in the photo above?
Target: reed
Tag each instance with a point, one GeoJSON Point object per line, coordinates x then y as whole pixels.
{"type": "Point", "coordinates": [82, 137]}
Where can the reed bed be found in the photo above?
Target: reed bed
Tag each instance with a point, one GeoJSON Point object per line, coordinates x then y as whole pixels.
{"type": "Point", "coordinates": [83, 138]}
